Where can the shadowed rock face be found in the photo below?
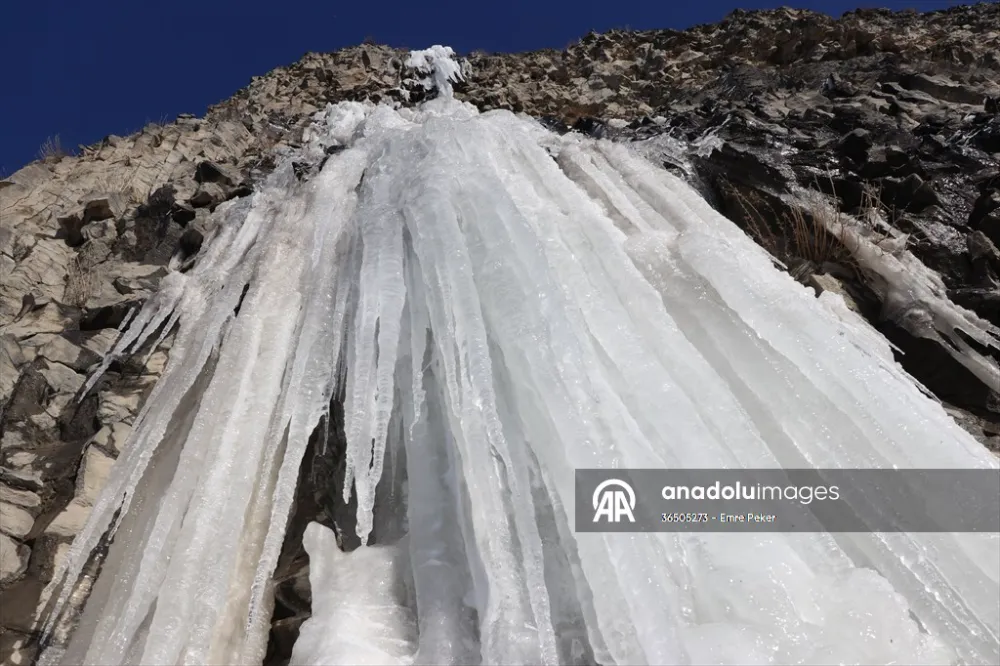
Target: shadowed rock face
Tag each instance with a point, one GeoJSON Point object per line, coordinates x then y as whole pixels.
{"type": "Point", "coordinates": [892, 113]}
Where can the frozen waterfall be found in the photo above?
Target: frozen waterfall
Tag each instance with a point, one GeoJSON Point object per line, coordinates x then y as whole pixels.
{"type": "Point", "coordinates": [500, 306]}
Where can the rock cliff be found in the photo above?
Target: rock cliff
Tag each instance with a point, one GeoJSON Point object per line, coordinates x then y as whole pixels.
{"type": "Point", "coordinates": [894, 116]}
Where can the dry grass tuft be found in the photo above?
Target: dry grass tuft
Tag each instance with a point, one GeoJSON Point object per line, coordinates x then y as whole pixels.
{"type": "Point", "coordinates": [83, 279]}
{"type": "Point", "coordinates": [51, 149]}
{"type": "Point", "coordinates": [809, 240]}
{"type": "Point", "coordinates": [121, 181]}
{"type": "Point", "coordinates": [791, 236]}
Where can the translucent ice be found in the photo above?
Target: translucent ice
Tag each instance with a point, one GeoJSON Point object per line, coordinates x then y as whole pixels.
{"type": "Point", "coordinates": [503, 306]}
{"type": "Point", "coordinates": [359, 601]}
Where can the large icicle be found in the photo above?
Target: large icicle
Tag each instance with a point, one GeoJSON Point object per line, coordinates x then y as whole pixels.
{"type": "Point", "coordinates": [376, 340]}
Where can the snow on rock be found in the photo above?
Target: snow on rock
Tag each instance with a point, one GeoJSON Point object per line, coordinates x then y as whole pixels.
{"type": "Point", "coordinates": [438, 62]}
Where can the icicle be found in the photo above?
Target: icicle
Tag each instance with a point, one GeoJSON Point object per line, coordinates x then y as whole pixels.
{"type": "Point", "coordinates": [419, 326]}
{"type": "Point", "coordinates": [370, 396]}
{"type": "Point", "coordinates": [160, 309]}
{"type": "Point", "coordinates": [316, 364]}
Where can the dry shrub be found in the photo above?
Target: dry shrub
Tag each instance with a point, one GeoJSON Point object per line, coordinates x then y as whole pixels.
{"type": "Point", "coordinates": [84, 276]}
{"type": "Point", "coordinates": [81, 282]}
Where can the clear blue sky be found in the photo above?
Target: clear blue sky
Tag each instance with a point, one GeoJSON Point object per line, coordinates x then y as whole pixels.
{"type": "Point", "coordinates": [83, 69]}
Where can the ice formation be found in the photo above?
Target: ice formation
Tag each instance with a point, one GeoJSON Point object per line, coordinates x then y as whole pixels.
{"type": "Point", "coordinates": [915, 297]}
{"type": "Point", "coordinates": [439, 63]}
{"type": "Point", "coordinates": [504, 306]}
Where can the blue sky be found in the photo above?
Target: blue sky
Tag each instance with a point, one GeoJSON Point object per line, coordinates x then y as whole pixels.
{"type": "Point", "coordinates": [84, 69]}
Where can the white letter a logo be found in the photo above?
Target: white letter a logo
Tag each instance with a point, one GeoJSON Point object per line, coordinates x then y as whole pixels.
{"type": "Point", "coordinates": [614, 503]}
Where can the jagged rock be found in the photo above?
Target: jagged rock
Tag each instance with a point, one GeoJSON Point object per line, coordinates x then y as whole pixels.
{"type": "Point", "coordinates": [102, 207]}
{"type": "Point", "coordinates": [11, 360]}
{"type": "Point", "coordinates": [746, 166]}
{"type": "Point", "coordinates": [19, 466]}
{"type": "Point", "coordinates": [70, 521]}
{"type": "Point", "coordinates": [182, 213]}
{"type": "Point", "coordinates": [209, 194]}
{"type": "Point", "coordinates": [42, 272]}
{"type": "Point", "coordinates": [63, 383]}
{"type": "Point", "coordinates": [910, 193]}
{"type": "Point", "coordinates": [16, 648]}
{"type": "Point", "coordinates": [60, 350]}
{"type": "Point", "coordinates": [984, 431]}
{"type": "Point", "coordinates": [855, 145]}
{"type": "Point", "coordinates": [106, 230]}
{"type": "Point", "coordinates": [23, 498]}
{"type": "Point", "coordinates": [15, 521]}
{"type": "Point", "coordinates": [984, 301]}
{"type": "Point", "coordinates": [987, 202]}
{"type": "Point", "coordinates": [989, 225]}
{"type": "Point", "coordinates": [111, 438]}
{"type": "Point", "coordinates": [944, 89]}
{"type": "Point", "coordinates": [209, 172]}
{"type": "Point", "coordinates": [70, 229]}
{"type": "Point", "coordinates": [94, 474]}
{"type": "Point", "coordinates": [134, 287]}
{"type": "Point", "coordinates": [94, 471]}
{"type": "Point", "coordinates": [13, 558]}
{"type": "Point", "coordinates": [16, 610]}
{"type": "Point", "coordinates": [835, 86]}
{"type": "Point", "coordinates": [824, 282]}
{"type": "Point", "coordinates": [190, 242]}
{"type": "Point", "coordinates": [985, 257]}
{"type": "Point", "coordinates": [108, 316]}
{"type": "Point", "coordinates": [99, 342]}
{"type": "Point", "coordinates": [123, 402]}
{"type": "Point", "coordinates": [48, 318]}
{"type": "Point", "coordinates": [985, 215]}
{"type": "Point", "coordinates": [28, 397]}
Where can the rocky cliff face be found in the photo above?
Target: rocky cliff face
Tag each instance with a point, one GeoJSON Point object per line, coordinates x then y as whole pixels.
{"type": "Point", "coordinates": [895, 116]}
